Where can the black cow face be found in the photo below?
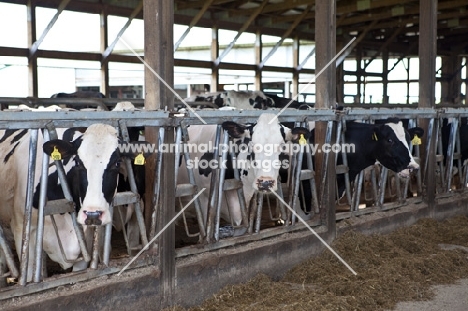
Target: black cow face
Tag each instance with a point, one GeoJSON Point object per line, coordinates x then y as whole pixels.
{"type": "Point", "coordinates": [393, 147]}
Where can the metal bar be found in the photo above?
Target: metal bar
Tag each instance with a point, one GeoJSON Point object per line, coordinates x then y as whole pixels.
{"type": "Point", "coordinates": [382, 185]}
{"type": "Point", "coordinates": [10, 261]}
{"type": "Point", "coordinates": [95, 258]}
{"type": "Point", "coordinates": [133, 187]}
{"type": "Point", "coordinates": [258, 218]}
{"type": "Point", "coordinates": [28, 208]}
{"type": "Point", "coordinates": [51, 24]}
{"type": "Point", "coordinates": [157, 182]}
{"type": "Point", "coordinates": [213, 196]}
{"type": "Point", "coordinates": [450, 153]}
{"type": "Point", "coordinates": [108, 235]}
{"type": "Point", "coordinates": [40, 214]}
{"type": "Point", "coordinates": [222, 177]}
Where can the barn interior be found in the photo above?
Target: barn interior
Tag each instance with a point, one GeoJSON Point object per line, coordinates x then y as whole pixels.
{"type": "Point", "coordinates": [378, 50]}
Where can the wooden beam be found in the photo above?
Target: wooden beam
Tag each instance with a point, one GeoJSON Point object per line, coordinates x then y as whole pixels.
{"type": "Point", "coordinates": [241, 30]}
{"type": "Point", "coordinates": [111, 47]}
{"type": "Point", "coordinates": [285, 35]}
{"type": "Point", "coordinates": [304, 61]}
{"type": "Point", "coordinates": [355, 43]}
{"type": "Point", "coordinates": [51, 24]}
{"type": "Point", "coordinates": [194, 21]}
{"type": "Point", "coordinates": [384, 46]}
{"type": "Point", "coordinates": [325, 37]}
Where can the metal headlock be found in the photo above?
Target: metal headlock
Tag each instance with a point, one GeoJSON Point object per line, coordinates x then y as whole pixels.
{"type": "Point", "coordinates": [230, 184]}
{"type": "Point", "coordinates": [209, 229]}
{"type": "Point", "coordinates": [189, 189]}
{"type": "Point", "coordinates": [53, 207]}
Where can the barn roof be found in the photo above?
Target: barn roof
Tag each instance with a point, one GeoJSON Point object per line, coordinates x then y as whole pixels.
{"type": "Point", "coordinates": [391, 24]}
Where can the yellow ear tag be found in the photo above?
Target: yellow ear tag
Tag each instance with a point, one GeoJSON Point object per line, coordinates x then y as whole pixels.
{"type": "Point", "coordinates": [302, 140]}
{"type": "Point", "coordinates": [416, 140]}
{"type": "Point", "coordinates": [56, 155]}
{"type": "Point", "coordinates": [139, 159]}
{"type": "Point", "coordinates": [374, 137]}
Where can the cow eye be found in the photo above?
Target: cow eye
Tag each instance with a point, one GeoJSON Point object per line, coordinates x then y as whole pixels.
{"type": "Point", "coordinates": [116, 165]}
{"type": "Point", "coordinates": [390, 141]}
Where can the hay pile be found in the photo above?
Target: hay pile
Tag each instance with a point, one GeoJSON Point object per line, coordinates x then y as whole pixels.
{"type": "Point", "coordinates": [397, 267]}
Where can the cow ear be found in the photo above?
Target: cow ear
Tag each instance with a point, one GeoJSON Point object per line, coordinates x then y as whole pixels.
{"type": "Point", "coordinates": [297, 132]}
{"type": "Point", "coordinates": [234, 129]}
{"type": "Point", "coordinates": [61, 148]}
{"type": "Point", "coordinates": [416, 131]}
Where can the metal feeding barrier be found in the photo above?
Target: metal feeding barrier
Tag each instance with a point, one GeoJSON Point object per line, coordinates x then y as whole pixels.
{"type": "Point", "coordinates": [210, 232]}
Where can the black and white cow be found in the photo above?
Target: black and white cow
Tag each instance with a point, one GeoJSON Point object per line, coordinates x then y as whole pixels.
{"type": "Point", "coordinates": [79, 94]}
{"type": "Point", "coordinates": [259, 160]}
{"type": "Point", "coordinates": [237, 99]}
{"type": "Point", "coordinates": [387, 143]}
{"type": "Point", "coordinates": [92, 162]}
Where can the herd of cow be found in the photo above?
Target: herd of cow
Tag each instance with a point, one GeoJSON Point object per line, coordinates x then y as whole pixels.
{"type": "Point", "coordinates": [92, 161]}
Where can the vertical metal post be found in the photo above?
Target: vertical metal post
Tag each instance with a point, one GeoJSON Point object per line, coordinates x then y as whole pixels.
{"type": "Point", "coordinates": [220, 192]}
{"type": "Point", "coordinates": [157, 183]}
{"type": "Point", "coordinates": [28, 207]}
{"type": "Point", "coordinates": [213, 196]}
{"type": "Point", "coordinates": [40, 217]}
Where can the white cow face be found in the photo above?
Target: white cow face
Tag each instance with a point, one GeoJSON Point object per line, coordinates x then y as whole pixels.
{"type": "Point", "coordinates": [93, 179]}
{"type": "Point", "coordinates": [263, 156]}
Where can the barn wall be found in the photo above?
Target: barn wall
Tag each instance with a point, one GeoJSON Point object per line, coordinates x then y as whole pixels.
{"type": "Point", "coordinates": [200, 276]}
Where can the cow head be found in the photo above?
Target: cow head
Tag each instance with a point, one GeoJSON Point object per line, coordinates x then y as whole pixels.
{"type": "Point", "coordinates": [393, 142]}
{"type": "Point", "coordinates": [262, 158]}
{"type": "Point", "coordinates": [94, 175]}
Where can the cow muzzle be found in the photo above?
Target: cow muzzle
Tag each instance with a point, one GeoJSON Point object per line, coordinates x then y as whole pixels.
{"type": "Point", "coordinates": [93, 218]}
{"type": "Point", "coordinates": [265, 185]}
{"type": "Point", "coordinates": [406, 173]}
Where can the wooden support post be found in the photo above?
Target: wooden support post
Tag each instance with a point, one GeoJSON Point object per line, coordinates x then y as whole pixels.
{"type": "Point", "coordinates": [214, 55]}
{"type": "Point", "coordinates": [325, 39]}
{"type": "Point", "coordinates": [427, 58]}
{"type": "Point", "coordinates": [385, 77]}
{"type": "Point", "coordinates": [159, 56]}
{"type": "Point", "coordinates": [258, 59]}
{"type": "Point", "coordinates": [294, 89]}
{"type": "Point", "coordinates": [105, 63]}
{"type": "Point", "coordinates": [33, 88]}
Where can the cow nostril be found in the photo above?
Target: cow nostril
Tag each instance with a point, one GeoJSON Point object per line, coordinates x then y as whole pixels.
{"type": "Point", "coordinates": [93, 218]}
{"type": "Point", "coordinates": [265, 185]}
